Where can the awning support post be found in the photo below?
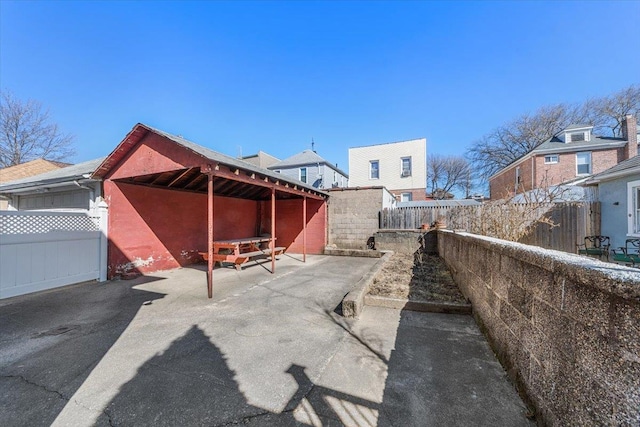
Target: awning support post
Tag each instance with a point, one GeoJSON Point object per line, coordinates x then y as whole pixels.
{"type": "Point", "coordinates": [273, 230]}
{"type": "Point", "coordinates": [210, 235]}
{"type": "Point", "coordinates": [304, 229]}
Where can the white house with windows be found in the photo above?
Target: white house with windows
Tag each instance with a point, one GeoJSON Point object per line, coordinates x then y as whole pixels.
{"type": "Point", "coordinates": [401, 167]}
{"type": "Point", "coordinates": [312, 169]}
{"type": "Point", "coordinates": [619, 196]}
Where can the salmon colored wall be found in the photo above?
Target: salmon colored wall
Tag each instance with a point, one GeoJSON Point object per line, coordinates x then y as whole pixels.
{"type": "Point", "coordinates": [289, 224]}
{"type": "Point", "coordinates": [154, 229]}
{"type": "Point", "coordinates": [155, 154]}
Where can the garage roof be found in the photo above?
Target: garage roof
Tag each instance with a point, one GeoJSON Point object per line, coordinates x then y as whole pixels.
{"type": "Point", "coordinates": [232, 177]}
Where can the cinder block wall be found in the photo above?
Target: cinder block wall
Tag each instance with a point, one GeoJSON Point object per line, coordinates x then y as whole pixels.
{"type": "Point", "coordinates": [353, 216]}
{"type": "Point", "coordinates": [400, 241]}
{"type": "Point", "coordinates": [566, 328]}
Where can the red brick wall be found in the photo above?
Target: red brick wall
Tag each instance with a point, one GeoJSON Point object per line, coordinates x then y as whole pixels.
{"type": "Point", "coordinates": [417, 194]}
{"type": "Point", "coordinates": [155, 229]}
{"type": "Point", "coordinates": [155, 154]}
{"type": "Point", "coordinates": [565, 169]}
{"type": "Point", "coordinates": [503, 185]}
{"type": "Point", "coordinates": [289, 224]}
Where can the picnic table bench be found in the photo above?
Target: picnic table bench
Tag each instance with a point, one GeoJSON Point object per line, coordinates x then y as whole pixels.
{"type": "Point", "coordinates": [595, 246]}
{"type": "Point", "coordinates": [239, 251]}
{"type": "Point", "coordinates": [629, 254]}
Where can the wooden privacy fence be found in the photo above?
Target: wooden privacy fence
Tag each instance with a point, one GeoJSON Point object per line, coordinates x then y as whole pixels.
{"type": "Point", "coordinates": [412, 217]}
{"type": "Point", "coordinates": [572, 221]}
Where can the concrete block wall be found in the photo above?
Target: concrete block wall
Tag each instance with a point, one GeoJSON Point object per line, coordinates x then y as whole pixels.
{"type": "Point", "coordinates": [353, 216]}
{"type": "Point", "coordinates": [565, 327]}
{"type": "Point", "coordinates": [399, 241]}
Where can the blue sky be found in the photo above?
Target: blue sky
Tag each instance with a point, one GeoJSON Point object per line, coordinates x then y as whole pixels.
{"type": "Point", "coordinates": [270, 76]}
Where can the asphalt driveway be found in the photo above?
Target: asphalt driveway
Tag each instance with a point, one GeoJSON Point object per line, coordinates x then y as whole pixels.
{"type": "Point", "coordinates": [267, 350]}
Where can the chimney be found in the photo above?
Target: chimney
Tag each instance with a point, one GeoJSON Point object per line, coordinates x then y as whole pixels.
{"type": "Point", "coordinates": [630, 133]}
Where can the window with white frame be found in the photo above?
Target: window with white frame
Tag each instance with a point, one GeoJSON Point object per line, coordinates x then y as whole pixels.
{"type": "Point", "coordinates": [633, 208]}
{"type": "Point", "coordinates": [406, 166]}
{"type": "Point", "coordinates": [517, 183]}
{"type": "Point", "coordinates": [551, 159]}
{"type": "Point", "coordinates": [303, 174]}
{"type": "Point", "coordinates": [406, 197]}
{"type": "Point", "coordinates": [374, 169]}
{"type": "Point", "coordinates": [583, 163]}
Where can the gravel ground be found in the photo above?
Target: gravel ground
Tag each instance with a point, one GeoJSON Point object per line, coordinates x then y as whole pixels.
{"type": "Point", "coordinates": [425, 278]}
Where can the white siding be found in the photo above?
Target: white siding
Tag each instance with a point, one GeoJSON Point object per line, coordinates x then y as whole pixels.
{"type": "Point", "coordinates": [390, 158]}
{"type": "Point", "coordinates": [77, 199]}
{"type": "Point", "coordinates": [388, 200]}
{"type": "Point", "coordinates": [321, 178]}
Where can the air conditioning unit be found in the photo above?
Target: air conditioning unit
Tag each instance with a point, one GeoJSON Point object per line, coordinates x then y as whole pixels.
{"type": "Point", "coordinates": [406, 172]}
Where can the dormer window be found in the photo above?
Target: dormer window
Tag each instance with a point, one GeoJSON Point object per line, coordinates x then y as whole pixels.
{"type": "Point", "coordinates": [576, 136]}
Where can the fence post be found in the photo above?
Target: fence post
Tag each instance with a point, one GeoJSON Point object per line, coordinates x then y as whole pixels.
{"type": "Point", "coordinates": [103, 214]}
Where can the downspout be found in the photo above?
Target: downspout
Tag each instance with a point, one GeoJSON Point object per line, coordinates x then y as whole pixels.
{"type": "Point", "coordinates": [533, 172]}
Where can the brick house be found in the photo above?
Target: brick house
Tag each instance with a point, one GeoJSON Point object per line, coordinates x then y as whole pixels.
{"type": "Point", "coordinates": [401, 167]}
{"type": "Point", "coordinates": [571, 155]}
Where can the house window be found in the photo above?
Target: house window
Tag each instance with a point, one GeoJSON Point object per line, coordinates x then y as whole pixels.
{"type": "Point", "coordinates": [406, 166]}
{"type": "Point", "coordinates": [405, 197]}
{"type": "Point", "coordinates": [576, 137]}
{"type": "Point", "coordinates": [374, 169]}
{"type": "Point", "coordinates": [517, 183]}
{"type": "Point", "coordinates": [551, 159]}
{"type": "Point", "coordinates": [633, 208]}
{"type": "Point", "coordinates": [303, 174]}
{"type": "Point", "coordinates": [583, 163]}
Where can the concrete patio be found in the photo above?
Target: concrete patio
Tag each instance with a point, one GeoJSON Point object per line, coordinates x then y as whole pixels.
{"type": "Point", "coordinates": [267, 350]}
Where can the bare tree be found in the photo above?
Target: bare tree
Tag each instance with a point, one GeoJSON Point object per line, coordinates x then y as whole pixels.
{"type": "Point", "coordinates": [27, 133]}
{"type": "Point", "coordinates": [446, 173]}
{"type": "Point", "coordinates": [606, 114]}
{"type": "Point", "coordinates": [518, 137]}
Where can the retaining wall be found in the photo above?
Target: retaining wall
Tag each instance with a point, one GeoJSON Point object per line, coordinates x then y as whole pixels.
{"type": "Point", "coordinates": [406, 241]}
{"type": "Point", "coordinates": [566, 328]}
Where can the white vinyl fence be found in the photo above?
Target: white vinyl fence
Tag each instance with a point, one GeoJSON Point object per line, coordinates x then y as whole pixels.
{"type": "Point", "coordinates": [44, 250]}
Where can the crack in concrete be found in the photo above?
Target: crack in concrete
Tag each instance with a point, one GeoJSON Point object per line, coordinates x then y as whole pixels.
{"type": "Point", "coordinates": [59, 394]}
{"type": "Point", "coordinates": [43, 387]}
{"type": "Point", "coordinates": [243, 420]}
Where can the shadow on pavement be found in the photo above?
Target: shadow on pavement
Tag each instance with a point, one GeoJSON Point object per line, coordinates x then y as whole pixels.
{"type": "Point", "coordinates": [442, 372]}
{"type": "Point", "coordinates": [41, 369]}
{"type": "Point", "coordinates": [191, 383]}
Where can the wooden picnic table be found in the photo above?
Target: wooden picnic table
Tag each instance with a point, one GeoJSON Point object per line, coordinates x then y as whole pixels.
{"type": "Point", "coordinates": [238, 251]}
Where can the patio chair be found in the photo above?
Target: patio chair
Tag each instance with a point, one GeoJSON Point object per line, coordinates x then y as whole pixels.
{"type": "Point", "coordinates": [595, 246]}
{"type": "Point", "coordinates": [629, 254]}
